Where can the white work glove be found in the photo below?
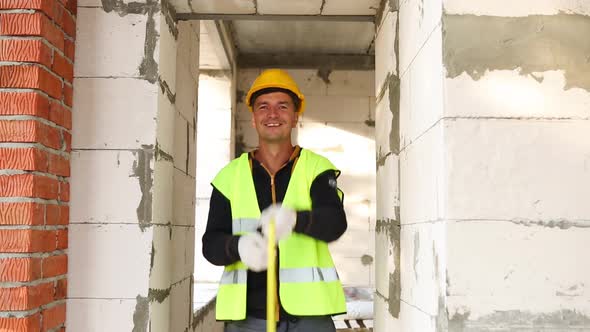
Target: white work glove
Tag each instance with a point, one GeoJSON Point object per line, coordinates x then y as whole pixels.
{"type": "Point", "coordinates": [253, 251]}
{"type": "Point", "coordinates": [284, 218]}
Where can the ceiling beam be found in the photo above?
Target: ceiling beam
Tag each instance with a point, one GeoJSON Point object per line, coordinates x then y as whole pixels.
{"type": "Point", "coordinates": [256, 17]}
{"type": "Point", "coordinates": [317, 61]}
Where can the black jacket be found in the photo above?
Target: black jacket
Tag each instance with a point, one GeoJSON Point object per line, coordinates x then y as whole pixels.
{"type": "Point", "coordinates": [326, 221]}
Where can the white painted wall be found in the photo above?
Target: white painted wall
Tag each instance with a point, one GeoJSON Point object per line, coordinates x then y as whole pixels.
{"type": "Point", "coordinates": [338, 124]}
{"type": "Point", "coordinates": [132, 223]}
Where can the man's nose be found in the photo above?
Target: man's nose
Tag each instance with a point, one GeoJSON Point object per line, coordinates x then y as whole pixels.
{"type": "Point", "coordinates": [273, 111]}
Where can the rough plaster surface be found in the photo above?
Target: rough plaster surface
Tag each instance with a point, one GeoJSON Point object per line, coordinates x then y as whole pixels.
{"type": "Point", "coordinates": [422, 277]}
{"type": "Point", "coordinates": [508, 94]}
{"type": "Point", "coordinates": [534, 289]}
{"type": "Point", "coordinates": [384, 122]}
{"type": "Point", "coordinates": [118, 186]}
{"type": "Point", "coordinates": [532, 169]}
{"type": "Point", "coordinates": [421, 92]}
{"type": "Point", "coordinates": [530, 44]}
{"type": "Point", "coordinates": [101, 315]}
{"type": "Point", "coordinates": [99, 53]}
{"type": "Point", "coordinates": [184, 199]}
{"type": "Point", "coordinates": [422, 174]}
{"type": "Point", "coordinates": [418, 20]}
{"type": "Point", "coordinates": [385, 59]}
{"type": "Point", "coordinates": [99, 122]}
{"type": "Point", "coordinates": [108, 261]}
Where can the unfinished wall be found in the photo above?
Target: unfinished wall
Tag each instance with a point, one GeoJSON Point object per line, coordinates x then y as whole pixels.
{"type": "Point", "coordinates": [516, 133]}
{"type": "Point", "coordinates": [410, 232]}
{"type": "Point", "coordinates": [338, 123]}
{"type": "Point", "coordinates": [133, 169]}
{"type": "Point", "coordinates": [485, 140]}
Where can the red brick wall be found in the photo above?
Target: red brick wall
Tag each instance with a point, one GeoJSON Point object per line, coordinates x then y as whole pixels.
{"type": "Point", "coordinates": [36, 74]}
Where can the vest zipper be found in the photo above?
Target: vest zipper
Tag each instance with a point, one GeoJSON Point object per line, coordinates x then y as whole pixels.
{"type": "Point", "coordinates": [272, 188]}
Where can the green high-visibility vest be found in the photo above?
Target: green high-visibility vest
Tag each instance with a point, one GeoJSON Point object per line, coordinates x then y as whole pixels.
{"type": "Point", "coordinates": [308, 281]}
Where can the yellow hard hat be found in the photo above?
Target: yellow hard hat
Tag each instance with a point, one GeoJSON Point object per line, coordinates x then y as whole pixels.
{"type": "Point", "coordinates": [275, 78]}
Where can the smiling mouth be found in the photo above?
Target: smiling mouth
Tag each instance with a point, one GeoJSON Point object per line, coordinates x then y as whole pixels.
{"type": "Point", "coordinates": [272, 124]}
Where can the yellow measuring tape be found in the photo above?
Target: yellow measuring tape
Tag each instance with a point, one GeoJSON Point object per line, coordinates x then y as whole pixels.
{"type": "Point", "coordinates": [271, 281]}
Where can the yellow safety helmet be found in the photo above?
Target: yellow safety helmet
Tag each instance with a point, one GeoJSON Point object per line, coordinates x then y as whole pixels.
{"type": "Point", "coordinates": [275, 78]}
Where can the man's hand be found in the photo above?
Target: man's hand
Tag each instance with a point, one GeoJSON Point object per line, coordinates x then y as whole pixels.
{"type": "Point", "coordinates": [284, 218]}
{"type": "Point", "coordinates": [253, 251]}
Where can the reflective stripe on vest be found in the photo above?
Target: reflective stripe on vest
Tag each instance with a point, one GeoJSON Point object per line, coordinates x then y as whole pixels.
{"type": "Point", "coordinates": [244, 225]}
{"type": "Point", "coordinates": [234, 277]}
{"type": "Point", "coordinates": [303, 274]}
{"type": "Point", "coordinates": [308, 274]}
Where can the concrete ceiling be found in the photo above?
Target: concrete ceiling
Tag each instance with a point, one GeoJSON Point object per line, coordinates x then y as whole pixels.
{"type": "Point", "coordinates": [303, 37]}
{"type": "Point", "coordinates": [295, 33]}
{"type": "Point", "coordinates": [278, 7]}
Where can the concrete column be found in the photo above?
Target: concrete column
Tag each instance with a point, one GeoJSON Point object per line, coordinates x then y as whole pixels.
{"type": "Point", "coordinates": [482, 150]}
{"type": "Point", "coordinates": [133, 168]}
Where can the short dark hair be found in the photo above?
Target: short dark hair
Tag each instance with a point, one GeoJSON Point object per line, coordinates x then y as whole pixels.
{"type": "Point", "coordinates": [296, 100]}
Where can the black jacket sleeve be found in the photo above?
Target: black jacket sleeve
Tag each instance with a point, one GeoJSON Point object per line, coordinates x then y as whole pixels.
{"type": "Point", "coordinates": [220, 247]}
{"type": "Point", "coordinates": [326, 221]}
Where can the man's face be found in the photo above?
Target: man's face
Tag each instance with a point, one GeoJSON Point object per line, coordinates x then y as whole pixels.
{"type": "Point", "coordinates": [274, 116]}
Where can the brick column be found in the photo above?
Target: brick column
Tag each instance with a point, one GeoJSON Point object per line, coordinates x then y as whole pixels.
{"type": "Point", "coordinates": [36, 73]}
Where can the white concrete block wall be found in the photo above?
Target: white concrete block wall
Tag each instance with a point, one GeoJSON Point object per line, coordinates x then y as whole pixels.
{"type": "Point", "coordinates": [112, 158]}
{"type": "Point", "coordinates": [490, 171]}
{"type": "Point", "coordinates": [131, 237]}
{"type": "Point", "coordinates": [338, 123]}
{"type": "Point", "coordinates": [387, 236]}
{"type": "Point", "coordinates": [411, 235]}
{"type": "Point", "coordinates": [516, 134]}
{"type": "Point", "coordinates": [176, 125]}
{"type": "Point", "coordinates": [97, 315]}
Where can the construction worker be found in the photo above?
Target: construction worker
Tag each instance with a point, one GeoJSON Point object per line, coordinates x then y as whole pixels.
{"type": "Point", "coordinates": [298, 190]}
